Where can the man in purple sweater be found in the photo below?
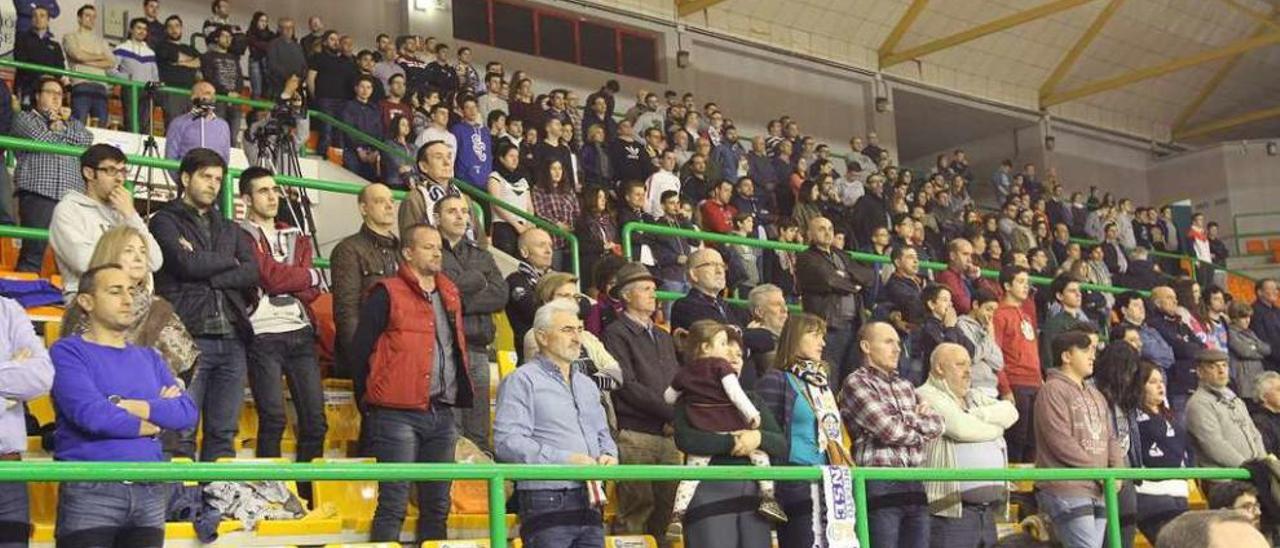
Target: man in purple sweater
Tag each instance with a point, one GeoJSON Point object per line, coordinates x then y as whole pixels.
{"type": "Point", "coordinates": [112, 398]}
{"type": "Point", "coordinates": [25, 373]}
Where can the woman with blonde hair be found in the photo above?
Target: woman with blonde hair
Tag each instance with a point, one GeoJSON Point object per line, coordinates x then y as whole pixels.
{"type": "Point", "coordinates": [798, 391]}
{"type": "Point", "coordinates": [595, 361]}
{"type": "Point", "coordinates": [155, 324]}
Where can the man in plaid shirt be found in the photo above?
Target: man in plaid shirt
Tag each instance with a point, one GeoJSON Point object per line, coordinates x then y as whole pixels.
{"type": "Point", "coordinates": [41, 178]}
{"type": "Point", "coordinates": [889, 425]}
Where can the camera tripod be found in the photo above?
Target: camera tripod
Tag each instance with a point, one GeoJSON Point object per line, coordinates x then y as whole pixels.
{"type": "Point", "coordinates": [153, 188]}
{"type": "Point", "coordinates": [277, 151]}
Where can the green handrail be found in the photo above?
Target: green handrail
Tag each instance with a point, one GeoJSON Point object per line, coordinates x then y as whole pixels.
{"type": "Point", "coordinates": [1235, 227]}
{"type": "Point", "coordinates": [496, 474]}
{"type": "Point", "coordinates": [1195, 261]}
{"type": "Point", "coordinates": [674, 296]}
{"type": "Point", "coordinates": [630, 229]}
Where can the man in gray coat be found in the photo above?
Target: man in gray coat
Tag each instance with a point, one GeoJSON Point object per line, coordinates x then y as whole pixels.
{"type": "Point", "coordinates": [1222, 434]}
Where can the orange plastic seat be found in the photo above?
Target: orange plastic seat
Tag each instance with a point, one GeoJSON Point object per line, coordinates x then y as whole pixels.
{"type": "Point", "coordinates": [1255, 247]}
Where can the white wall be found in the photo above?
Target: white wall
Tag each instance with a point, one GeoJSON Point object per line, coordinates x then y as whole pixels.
{"type": "Point", "coordinates": [1084, 160]}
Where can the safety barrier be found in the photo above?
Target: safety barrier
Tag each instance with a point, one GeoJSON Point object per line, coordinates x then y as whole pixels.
{"type": "Point", "coordinates": [1239, 236]}
{"type": "Point", "coordinates": [628, 232]}
{"type": "Point", "coordinates": [496, 474]}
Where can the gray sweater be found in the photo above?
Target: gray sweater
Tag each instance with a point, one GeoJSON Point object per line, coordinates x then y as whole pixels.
{"type": "Point", "coordinates": [988, 359]}
{"type": "Point", "coordinates": [1247, 353]}
{"type": "Point", "coordinates": [1222, 433]}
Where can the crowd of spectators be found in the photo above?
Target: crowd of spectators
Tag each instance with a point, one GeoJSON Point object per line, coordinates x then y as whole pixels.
{"type": "Point", "coordinates": [170, 316]}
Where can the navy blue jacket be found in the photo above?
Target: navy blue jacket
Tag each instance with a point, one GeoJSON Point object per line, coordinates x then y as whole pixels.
{"type": "Point", "coordinates": [1266, 324]}
{"type": "Point", "coordinates": [1185, 344]}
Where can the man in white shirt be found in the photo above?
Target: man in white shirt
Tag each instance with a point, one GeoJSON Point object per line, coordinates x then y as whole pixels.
{"type": "Point", "coordinates": [661, 181]}
{"type": "Point", "coordinates": [438, 130]}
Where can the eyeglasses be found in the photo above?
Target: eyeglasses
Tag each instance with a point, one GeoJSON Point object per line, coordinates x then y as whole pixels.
{"type": "Point", "coordinates": [113, 171]}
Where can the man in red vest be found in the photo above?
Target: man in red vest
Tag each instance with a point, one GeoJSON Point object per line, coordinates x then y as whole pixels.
{"type": "Point", "coordinates": [411, 371]}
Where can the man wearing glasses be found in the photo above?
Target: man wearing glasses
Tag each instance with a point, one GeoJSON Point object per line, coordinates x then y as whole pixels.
{"type": "Point", "coordinates": [42, 179]}
{"type": "Point", "coordinates": [707, 276]}
{"type": "Point", "coordinates": [81, 217]}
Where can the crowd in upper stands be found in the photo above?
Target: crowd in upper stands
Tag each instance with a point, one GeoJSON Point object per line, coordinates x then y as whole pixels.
{"type": "Point", "coordinates": [887, 363]}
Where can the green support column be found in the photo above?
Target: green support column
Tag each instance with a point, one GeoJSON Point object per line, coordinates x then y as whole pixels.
{"type": "Point", "coordinates": [497, 512]}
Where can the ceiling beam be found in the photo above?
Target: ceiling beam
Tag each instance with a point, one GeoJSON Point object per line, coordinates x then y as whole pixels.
{"type": "Point", "coordinates": [1174, 65]}
{"type": "Point", "coordinates": [686, 8]}
{"type": "Point", "coordinates": [1259, 16]}
{"type": "Point", "coordinates": [900, 29]}
{"type": "Point", "coordinates": [1004, 23]}
{"type": "Point", "coordinates": [1218, 126]}
{"type": "Point", "coordinates": [1211, 86]}
{"type": "Point", "coordinates": [1064, 66]}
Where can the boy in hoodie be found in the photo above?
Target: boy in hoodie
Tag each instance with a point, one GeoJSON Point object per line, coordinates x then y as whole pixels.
{"type": "Point", "coordinates": [80, 218]}
{"type": "Point", "coordinates": [475, 145]}
{"type": "Point", "coordinates": [284, 338]}
{"type": "Point", "coordinates": [1072, 430]}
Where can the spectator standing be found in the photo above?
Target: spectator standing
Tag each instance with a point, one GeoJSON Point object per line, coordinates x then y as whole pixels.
{"type": "Point", "coordinates": [42, 179]}
{"type": "Point", "coordinates": [394, 104]}
{"type": "Point", "coordinates": [220, 67]}
{"type": "Point", "coordinates": [138, 63]}
{"type": "Point", "coordinates": [661, 181]}
{"type": "Point", "coordinates": [155, 26]}
{"type": "Point", "coordinates": [438, 130]}
{"type": "Point", "coordinates": [978, 328]}
{"type": "Point", "coordinates": [178, 63]}
{"type": "Point", "coordinates": [27, 11]}
{"type": "Point", "coordinates": [25, 373]}
{"type": "Point", "coordinates": [706, 275]}
{"type": "Point", "coordinates": [1002, 180]}
{"type": "Point", "coordinates": [358, 262]}
{"type": "Point", "coordinates": [796, 392]}
{"type": "Point", "coordinates": [964, 513]}
{"type": "Point", "coordinates": [1072, 431]}
{"type": "Point", "coordinates": [483, 292]}
{"type": "Point", "coordinates": [113, 398]}
{"type": "Point", "coordinates": [284, 58]}
{"type": "Point", "coordinates": [1068, 299]}
{"type": "Point", "coordinates": [647, 356]}
{"type": "Point", "coordinates": [960, 274]}
{"type": "Point", "coordinates": [331, 78]}
{"type": "Point", "coordinates": [431, 182]}
{"type": "Point", "coordinates": [154, 324]}
{"type": "Point", "coordinates": [522, 301]}
{"type": "Point", "coordinates": [889, 426]}
{"type": "Point", "coordinates": [440, 73]}
{"type": "Point", "coordinates": [475, 152]}
{"type": "Point", "coordinates": [405, 419]}
{"type": "Point", "coordinates": [717, 211]}
{"type": "Point", "coordinates": [395, 170]}
{"type": "Point", "coordinates": [363, 114]}
{"type": "Point", "coordinates": [1117, 375]}
{"type": "Point", "coordinates": [831, 287]}
{"type": "Point", "coordinates": [35, 45]}
{"type": "Point", "coordinates": [596, 230]}
{"type": "Point", "coordinates": [1266, 316]}
{"type": "Point", "coordinates": [532, 428]}
{"type": "Point", "coordinates": [259, 36]}
{"type": "Point", "coordinates": [1247, 352]}
{"type": "Point", "coordinates": [315, 37]}
{"type": "Point", "coordinates": [284, 339]}
{"type": "Point", "coordinates": [1015, 332]}
{"type": "Point", "coordinates": [938, 327]}
{"type": "Point", "coordinates": [88, 53]}
{"type": "Point", "coordinates": [81, 217]}
{"type": "Point", "coordinates": [201, 128]}
{"type": "Point", "coordinates": [871, 211]}
{"type": "Point", "coordinates": [554, 200]}
{"type": "Point", "coordinates": [1164, 445]}
{"type": "Point", "coordinates": [493, 98]}
{"type": "Point", "coordinates": [209, 266]}
{"type": "Point", "coordinates": [508, 183]}
{"type": "Point", "coordinates": [1218, 423]}
{"type": "Point", "coordinates": [1167, 321]}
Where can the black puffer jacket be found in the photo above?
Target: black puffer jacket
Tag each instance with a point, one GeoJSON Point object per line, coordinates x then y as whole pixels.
{"type": "Point", "coordinates": [483, 289]}
{"type": "Point", "coordinates": [198, 266]}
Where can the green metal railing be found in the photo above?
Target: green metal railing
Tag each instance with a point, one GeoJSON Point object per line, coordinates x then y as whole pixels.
{"type": "Point", "coordinates": [497, 474]}
{"type": "Point", "coordinates": [628, 233]}
{"type": "Point", "coordinates": [1195, 261]}
{"type": "Point", "coordinates": [133, 92]}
